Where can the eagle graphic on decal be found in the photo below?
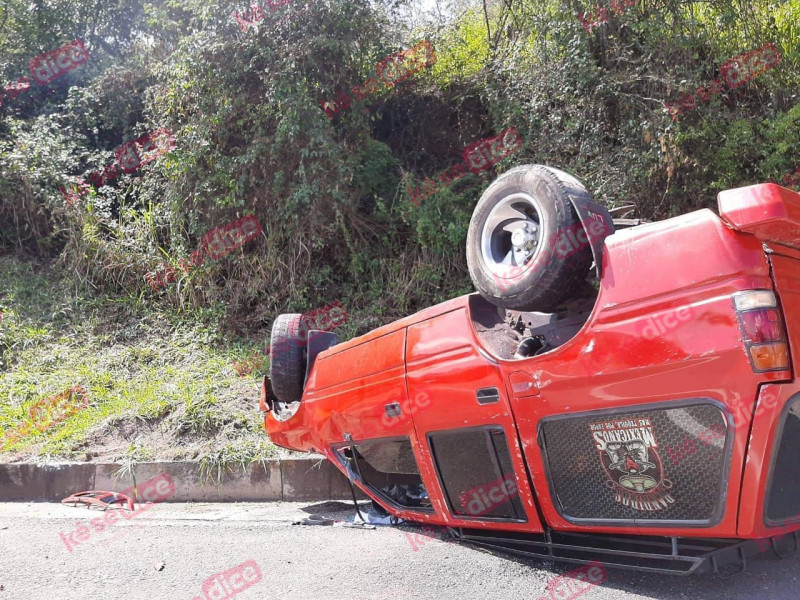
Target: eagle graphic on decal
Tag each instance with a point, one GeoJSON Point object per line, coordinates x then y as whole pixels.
{"type": "Point", "coordinates": [629, 455]}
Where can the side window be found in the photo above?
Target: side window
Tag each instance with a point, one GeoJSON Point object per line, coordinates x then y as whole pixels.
{"type": "Point", "coordinates": [389, 468]}
{"type": "Point", "coordinates": [474, 466]}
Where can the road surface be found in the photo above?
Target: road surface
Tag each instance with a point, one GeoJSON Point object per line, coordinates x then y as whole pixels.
{"type": "Point", "coordinates": [252, 551]}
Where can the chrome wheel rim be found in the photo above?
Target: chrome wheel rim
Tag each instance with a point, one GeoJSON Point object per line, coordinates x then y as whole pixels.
{"type": "Point", "coordinates": [512, 235]}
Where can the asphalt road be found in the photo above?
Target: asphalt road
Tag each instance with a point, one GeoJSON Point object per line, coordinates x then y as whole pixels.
{"type": "Point", "coordinates": [181, 550]}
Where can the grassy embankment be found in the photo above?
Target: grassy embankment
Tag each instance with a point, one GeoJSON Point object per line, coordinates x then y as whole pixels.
{"type": "Point", "coordinates": [160, 385]}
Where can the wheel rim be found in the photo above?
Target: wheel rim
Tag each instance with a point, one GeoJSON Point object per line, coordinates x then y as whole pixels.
{"type": "Point", "coordinates": [512, 235]}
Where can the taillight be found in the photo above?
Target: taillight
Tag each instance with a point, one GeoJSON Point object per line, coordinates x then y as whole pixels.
{"type": "Point", "coordinates": [763, 330]}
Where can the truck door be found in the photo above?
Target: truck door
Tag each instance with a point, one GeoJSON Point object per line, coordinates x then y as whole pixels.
{"type": "Point", "coordinates": [472, 462]}
{"type": "Point", "coordinates": [365, 415]}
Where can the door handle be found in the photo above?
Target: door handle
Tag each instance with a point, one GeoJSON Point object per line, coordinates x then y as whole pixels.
{"type": "Point", "coordinates": [393, 409]}
{"type": "Point", "coordinates": [488, 396]}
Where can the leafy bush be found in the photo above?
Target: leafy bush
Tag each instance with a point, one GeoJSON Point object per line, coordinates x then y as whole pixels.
{"type": "Point", "coordinates": [330, 193]}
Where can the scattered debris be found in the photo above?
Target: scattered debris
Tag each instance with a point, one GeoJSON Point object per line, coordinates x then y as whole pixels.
{"type": "Point", "coordinates": [358, 525]}
{"type": "Point", "coordinates": [99, 498]}
{"type": "Point", "coordinates": [315, 520]}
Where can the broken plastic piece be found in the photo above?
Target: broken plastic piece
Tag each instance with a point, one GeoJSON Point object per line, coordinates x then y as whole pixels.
{"type": "Point", "coordinates": [99, 498]}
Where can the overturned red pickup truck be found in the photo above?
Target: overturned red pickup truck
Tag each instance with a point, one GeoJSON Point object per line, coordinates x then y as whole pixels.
{"type": "Point", "coordinates": [627, 396]}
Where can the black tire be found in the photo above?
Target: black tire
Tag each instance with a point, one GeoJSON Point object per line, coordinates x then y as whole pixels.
{"type": "Point", "coordinates": [528, 210]}
{"type": "Point", "coordinates": [287, 364]}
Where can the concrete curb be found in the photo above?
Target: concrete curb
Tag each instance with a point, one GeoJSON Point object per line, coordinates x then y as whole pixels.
{"type": "Point", "coordinates": [287, 479]}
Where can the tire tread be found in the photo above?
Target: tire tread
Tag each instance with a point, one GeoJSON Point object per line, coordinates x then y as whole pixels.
{"type": "Point", "coordinates": [287, 354]}
{"type": "Point", "coordinates": [561, 277]}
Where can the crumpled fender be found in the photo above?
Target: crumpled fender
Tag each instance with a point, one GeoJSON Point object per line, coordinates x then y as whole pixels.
{"type": "Point", "coordinates": [598, 224]}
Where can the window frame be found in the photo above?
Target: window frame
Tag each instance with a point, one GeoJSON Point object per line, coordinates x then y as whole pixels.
{"type": "Point", "coordinates": [349, 468]}
{"type": "Point", "coordinates": [492, 450]}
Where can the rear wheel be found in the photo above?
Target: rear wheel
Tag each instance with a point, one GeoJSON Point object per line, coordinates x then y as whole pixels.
{"type": "Point", "coordinates": [526, 247]}
{"type": "Point", "coordinates": [287, 351]}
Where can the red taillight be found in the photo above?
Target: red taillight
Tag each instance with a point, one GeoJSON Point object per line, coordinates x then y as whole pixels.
{"type": "Point", "coordinates": [762, 325]}
{"type": "Point", "coordinates": [763, 331]}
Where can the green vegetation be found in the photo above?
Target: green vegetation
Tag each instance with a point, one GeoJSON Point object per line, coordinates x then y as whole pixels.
{"type": "Point", "coordinates": [330, 194]}
{"type": "Point", "coordinates": [157, 385]}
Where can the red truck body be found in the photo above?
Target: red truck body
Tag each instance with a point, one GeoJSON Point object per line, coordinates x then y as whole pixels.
{"type": "Point", "coordinates": [654, 419]}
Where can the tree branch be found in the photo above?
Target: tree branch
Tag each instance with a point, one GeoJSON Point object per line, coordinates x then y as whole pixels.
{"type": "Point", "coordinates": [488, 31]}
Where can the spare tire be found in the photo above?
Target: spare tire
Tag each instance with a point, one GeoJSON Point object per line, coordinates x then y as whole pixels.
{"type": "Point", "coordinates": [526, 247]}
{"type": "Point", "coordinates": [287, 351]}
